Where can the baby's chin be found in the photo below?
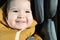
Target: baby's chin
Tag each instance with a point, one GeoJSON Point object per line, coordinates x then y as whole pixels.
{"type": "Point", "coordinates": [21, 27]}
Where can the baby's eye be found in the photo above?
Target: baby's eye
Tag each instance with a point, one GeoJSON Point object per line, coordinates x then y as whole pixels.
{"type": "Point", "coordinates": [27, 11]}
{"type": "Point", "coordinates": [15, 11]}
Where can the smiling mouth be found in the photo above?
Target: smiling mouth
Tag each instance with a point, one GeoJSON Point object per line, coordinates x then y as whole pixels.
{"type": "Point", "coordinates": [20, 21]}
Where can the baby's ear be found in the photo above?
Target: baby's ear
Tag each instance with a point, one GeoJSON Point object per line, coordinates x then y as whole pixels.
{"type": "Point", "coordinates": [3, 6]}
{"type": "Point", "coordinates": [1, 11]}
{"type": "Point", "coordinates": [1, 14]}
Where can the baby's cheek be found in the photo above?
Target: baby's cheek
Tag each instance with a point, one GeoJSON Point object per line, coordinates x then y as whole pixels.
{"type": "Point", "coordinates": [30, 20]}
{"type": "Point", "coordinates": [11, 21]}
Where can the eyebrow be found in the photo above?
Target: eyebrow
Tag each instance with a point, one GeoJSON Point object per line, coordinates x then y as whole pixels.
{"type": "Point", "coordinates": [17, 9]}
{"type": "Point", "coordinates": [12, 8]}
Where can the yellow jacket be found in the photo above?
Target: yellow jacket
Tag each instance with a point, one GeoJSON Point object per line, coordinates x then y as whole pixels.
{"type": "Point", "coordinates": [7, 33]}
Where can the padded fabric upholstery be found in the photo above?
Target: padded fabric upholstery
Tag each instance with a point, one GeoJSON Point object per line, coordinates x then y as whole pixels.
{"type": "Point", "coordinates": [50, 8]}
{"type": "Point", "coordinates": [45, 12]}
{"type": "Point", "coordinates": [39, 10]}
{"type": "Point", "coordinates": [49, 28]}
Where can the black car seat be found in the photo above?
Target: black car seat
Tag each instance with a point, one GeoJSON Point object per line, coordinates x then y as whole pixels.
{"type": "Point", "coordinates": [45, 11]}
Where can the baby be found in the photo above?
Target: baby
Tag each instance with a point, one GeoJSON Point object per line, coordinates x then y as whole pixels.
{"type": "Point", "coordinates": [19, 23]}
{"type": "Point", "coordinates": [19, 14]}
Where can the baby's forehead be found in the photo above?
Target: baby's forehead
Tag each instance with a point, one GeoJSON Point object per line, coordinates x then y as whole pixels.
{"type": "Point", "coordinates": [22, 4]}
{"type": "Point", "coordinates": [19, 3]}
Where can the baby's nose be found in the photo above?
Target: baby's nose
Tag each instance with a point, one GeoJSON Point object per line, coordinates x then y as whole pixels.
{"type": "Point", "coordinates": [21, 15]}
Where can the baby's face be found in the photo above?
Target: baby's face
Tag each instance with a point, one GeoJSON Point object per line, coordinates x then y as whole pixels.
{"type": "Point", "coordinates": [19, 14]}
